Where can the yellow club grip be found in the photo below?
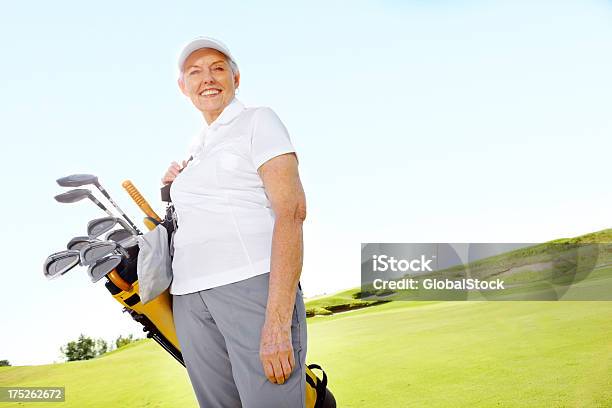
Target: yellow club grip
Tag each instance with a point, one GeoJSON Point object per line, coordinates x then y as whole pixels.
{"type": "Point", "coordinates": [150, 223]}
{"type": "Point", "coordinates": [139, 199]}
{"type": "Point", "coordinates": [118, 280]}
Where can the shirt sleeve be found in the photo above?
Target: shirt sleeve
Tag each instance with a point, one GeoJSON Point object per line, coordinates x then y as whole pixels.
{"type": "Point", "coordinates": [269, 138]}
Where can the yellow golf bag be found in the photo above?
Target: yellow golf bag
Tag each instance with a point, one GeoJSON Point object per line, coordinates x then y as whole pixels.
{"type": "Point", "coordinates": [156, 315]}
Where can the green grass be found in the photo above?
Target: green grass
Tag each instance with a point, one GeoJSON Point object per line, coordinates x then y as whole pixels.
{"type": "Point", "coordinates": [338, 302]}
{"type": "Point", "coordinates": [403, 353]}
{"type": "Point", "coordinates": [138, 375]}
{"type": "Point", "coordinates": [476, 354]}
{"type": "Point", "coordinates": [400, 354]}
{"type": "Point", "coordinates": [543, 271]}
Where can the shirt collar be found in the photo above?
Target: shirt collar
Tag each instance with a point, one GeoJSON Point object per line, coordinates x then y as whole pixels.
{"type": "Point", "coordinates": [231, 112]}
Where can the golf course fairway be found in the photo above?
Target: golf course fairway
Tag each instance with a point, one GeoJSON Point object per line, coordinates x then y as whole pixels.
{"type": "Point", "coordinates": [399, 354]}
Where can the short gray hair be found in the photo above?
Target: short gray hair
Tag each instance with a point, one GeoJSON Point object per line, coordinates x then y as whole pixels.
{"type": "Point", "coordinates": [233, 65]}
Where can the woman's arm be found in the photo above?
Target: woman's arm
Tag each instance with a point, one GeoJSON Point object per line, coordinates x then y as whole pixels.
{"type": "Point", "coordinates": [284, 189]}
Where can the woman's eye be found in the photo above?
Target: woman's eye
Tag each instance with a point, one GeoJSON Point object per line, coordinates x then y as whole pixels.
{"type": "Point", "coordinates": [218, 68]}
{"type": "Point", "coordinates": [193, 72]}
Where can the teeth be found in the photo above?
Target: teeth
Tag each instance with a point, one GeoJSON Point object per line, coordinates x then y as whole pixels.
{"type": "Point", "coordinates": [210, 92]}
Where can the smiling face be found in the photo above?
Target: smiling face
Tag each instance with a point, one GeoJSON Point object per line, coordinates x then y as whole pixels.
{"type": "Point", "coordinates": [209, 82]}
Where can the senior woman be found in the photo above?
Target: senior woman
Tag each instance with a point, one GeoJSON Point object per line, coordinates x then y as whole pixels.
{"type": "Point", "coordinates": [238, 308]}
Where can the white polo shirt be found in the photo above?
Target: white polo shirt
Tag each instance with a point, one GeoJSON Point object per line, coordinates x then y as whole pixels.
{"type": "Point", "coordinates": [225, 219]}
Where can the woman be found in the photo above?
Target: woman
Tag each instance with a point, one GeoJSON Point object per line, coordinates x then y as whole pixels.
{"type": "Point", "coordinates": [238, 250]}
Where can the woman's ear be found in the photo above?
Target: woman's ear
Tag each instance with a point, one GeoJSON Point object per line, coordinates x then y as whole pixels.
{"type": "Point", "coordinates": [181, 85]}
{"type": "Point", "coordinates": [237, 80]}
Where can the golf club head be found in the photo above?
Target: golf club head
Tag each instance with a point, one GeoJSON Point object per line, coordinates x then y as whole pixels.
{"type": "Point", "coordinates": [129, 243]}
{"type": "Point", "coordinates": [73, 196]}
{"type": "Point", "coordinates": [99, 226]}
{"type": "Point", "coordinates": [93, 251]}
{"type": "Point", "coordinates": [103, 266]}
{"type": "Point", "coordinates": [77, 180]}
{"type": "Point", "coordinates": [59, 263]}
{"type": "Point", "coordinates": [124, 238]}
{"type": "Point", "coordinates": [77, 243]}
{"type": "Point", "coordinates": [119, 235]}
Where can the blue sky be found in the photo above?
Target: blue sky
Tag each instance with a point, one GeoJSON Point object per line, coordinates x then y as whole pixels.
{"type": "Point", "coordinates": [415, 121]}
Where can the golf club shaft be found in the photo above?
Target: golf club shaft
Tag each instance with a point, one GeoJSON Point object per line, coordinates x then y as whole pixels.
{"type": "Point", "coordinates": [102, 206]}
{"type": "Point", "coordinates": [122, 251]}
{"type": "Point", "coordinates": [139, 200]}
{"type": "Point", "coordinates": [108, 197]}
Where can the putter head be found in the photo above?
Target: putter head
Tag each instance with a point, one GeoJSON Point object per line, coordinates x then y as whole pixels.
{"type": "Point", "coordinates": [93, 251]}
{"type": "Point", "coordinates": [77, 243]}
{"type": "Point", "coordinates": [59, 263]}
{"type": "Point", "coordinates": [99, 226]}
{"type": "Point", "coordinates": [103, 266]}
{"type": "Point", "coordinates": [73, 196]}
{"type": "Point", "coordinates": [77, 180]}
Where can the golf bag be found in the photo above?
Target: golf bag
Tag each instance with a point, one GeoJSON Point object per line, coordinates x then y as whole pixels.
{"type": "Point", "coordinates": [157, 320]}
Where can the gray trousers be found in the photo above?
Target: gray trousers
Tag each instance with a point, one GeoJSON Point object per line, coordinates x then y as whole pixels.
{"type": "Point", "coordinates": [219, 330]}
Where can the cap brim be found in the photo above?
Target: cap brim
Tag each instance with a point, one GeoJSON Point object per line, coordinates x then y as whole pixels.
{"type": "Point", "coordinates": [199, 43]}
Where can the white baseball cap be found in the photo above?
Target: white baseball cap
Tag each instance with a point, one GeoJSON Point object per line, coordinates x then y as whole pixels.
{"type": "Point", "coordinates": [204, 42]}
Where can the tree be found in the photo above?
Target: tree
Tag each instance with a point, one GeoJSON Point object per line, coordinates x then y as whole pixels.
{"type": "Point", "coordinates": [84, 348]}
{"type": "Point", "coordinates": [4, 363]}
{"type": "Point", "coordinates": [101, 347]}
{"type": "Point", "coordinates": [81, 349]}
{"type": "Point", "coordinates": [124, 341]}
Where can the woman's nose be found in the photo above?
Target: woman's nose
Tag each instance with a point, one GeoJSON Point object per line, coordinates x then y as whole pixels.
{"type": "Point", "coordinates": [207, 76]}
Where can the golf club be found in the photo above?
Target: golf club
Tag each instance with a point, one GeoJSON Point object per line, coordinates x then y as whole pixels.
{"type": "Point", "coordinates": [59, 263]}
{"type": "Point", "coordinates": [103, 266]}
{"type": "Point", "coordinates": [150, 223]}
{"type": "Point", "coordinates": [77, 243]}
{"type": "Point", "coordinates": [77, 180]}
{"type": "Point", "coordinates": [123, 237]}
{"type": "Point", "coordinates": [99, 226]}
{"type": "Point", "coordinates": [140, 200]}
{"type": "Point", "coordinates": [78, 194]}
{"type": "Point", "coordinates": [94, 251]}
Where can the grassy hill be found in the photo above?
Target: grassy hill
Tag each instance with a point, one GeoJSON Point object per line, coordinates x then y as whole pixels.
{"type": "Point", "coordinates": [138, 375]}
{"type": "Point", "coordinates": [434, 354]}
{"type": "Point", "coordinates": [397, 354]}
{"type": "Point", "coordinates": [588, 260]}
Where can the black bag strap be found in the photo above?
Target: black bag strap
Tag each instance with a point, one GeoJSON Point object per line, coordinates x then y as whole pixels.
{"type": "Point", "coordinates": [165, 193]}
{"type": "Point", "coordinates": [321, 386]}
{"type": "Point", "coordinates": [310, 381]}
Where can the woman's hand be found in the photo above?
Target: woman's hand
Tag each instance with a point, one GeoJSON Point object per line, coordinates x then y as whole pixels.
{"type": "Point", "coordinates": [276, 351]}
{"type": "Point", "coordinates": [173, 171]}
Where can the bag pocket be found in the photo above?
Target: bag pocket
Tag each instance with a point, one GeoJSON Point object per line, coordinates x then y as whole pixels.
{"type": "Point", "coordinates": [154, 264]}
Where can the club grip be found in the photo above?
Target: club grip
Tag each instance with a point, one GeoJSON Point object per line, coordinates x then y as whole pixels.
{"type": "Point", "coordinates": [118, 280]}
{"type": "Point", "coordinates": [139, 199]}
{"type": "Point", "coordinates": [150, 223]}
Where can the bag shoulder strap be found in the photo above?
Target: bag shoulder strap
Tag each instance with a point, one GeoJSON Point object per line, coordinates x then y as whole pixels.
{"type": "Point", "coordinates": [321, 385]}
